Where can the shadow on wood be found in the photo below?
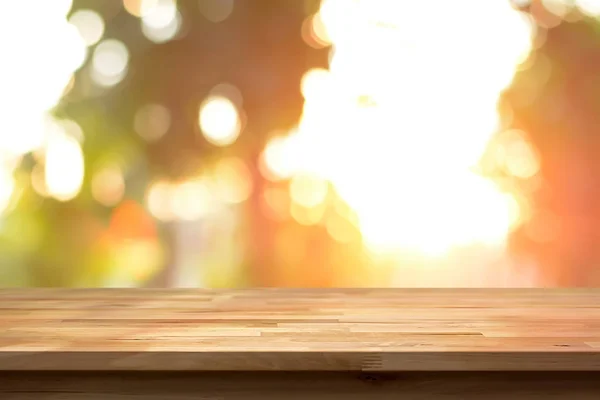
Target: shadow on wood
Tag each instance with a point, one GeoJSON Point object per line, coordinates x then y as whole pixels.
{"type": "Point", "coordinates": [298, 385]}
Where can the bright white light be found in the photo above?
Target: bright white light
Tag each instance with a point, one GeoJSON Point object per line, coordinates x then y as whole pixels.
{"type": "Point", "coordinates": [219, 121]}
{"type": "Point", "coordinates": [58, 7]}
{"type": "Point", "coordinates": [64, 167]}
{"type": "Point", "coordinates": [162, 34]}
{"type": "Point", "coordinates": [42, 62]}
{"type": "Point", "coordinates": [160, 15]}
{"type": "Point", "coordinates": [109, 62]}
{"type": "Point", "coordinates": [278, 160]}
{"type": "Point", "coordinates": [589, 7]}
{"type": "Point", "coordinates": [396, 132]}
{"type": "Point", "coordinates": [89, 24]}
{"type": "Point", "coordinates": [19, 135]}
{"type": "Point", "coordinates": [314, 82]}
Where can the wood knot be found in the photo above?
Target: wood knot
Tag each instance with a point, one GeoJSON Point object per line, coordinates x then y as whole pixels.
{"type": "Point", "coordinates": [372, 378]}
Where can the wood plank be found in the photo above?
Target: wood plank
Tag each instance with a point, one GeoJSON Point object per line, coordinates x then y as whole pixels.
{"type": "Point", "coordinates": [300, 329]}
{"type": "Point", "coordinates": [297, 386]}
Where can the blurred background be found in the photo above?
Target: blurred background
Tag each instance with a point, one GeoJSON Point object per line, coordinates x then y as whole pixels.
{"type": "Point", "coordinates": [299, 143]}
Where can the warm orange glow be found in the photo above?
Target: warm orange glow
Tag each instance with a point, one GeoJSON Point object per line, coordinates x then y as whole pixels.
{"type": "Point", "coordinates": [232, 180]}
{"type": "Point", "coordinates": [282, 156]}
{"type": "Point", "coordinates": [132, 242]}
{"type": "Point", "coordinates": [276, 203]}
{"type": "Point", "coordinates": [314, 33]}
{"type": "Point", "coordinates": [306, 215]}
{"type": "Point", "coordinates": [558, 7]}
{"type": "Point", "coordinates": [518, 156]}
{"type": "Point", "coordinates": [308, 191]}
{"type": "Point", "coordinates": [130, 221]}
{"type": "Point", "coordinates": [140, 8]}
{"type": "Point", "coordinates": [340, 229]}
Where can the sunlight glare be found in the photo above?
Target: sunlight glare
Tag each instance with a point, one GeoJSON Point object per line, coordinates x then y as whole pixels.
{"type": "Point", "coordinates": [589, 7]}
{"type": "Point", "coordinates": [402, 116]}
{"type": "Point", "coordinates": [42, 60]}
{"type": "Point", "coordinates": [64, 167]}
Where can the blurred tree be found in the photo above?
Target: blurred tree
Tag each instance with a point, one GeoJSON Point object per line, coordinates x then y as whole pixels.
{"type": "Point", "coordinates": [554, 99]}
{"type": "Point", "coordinates": [258, 49]}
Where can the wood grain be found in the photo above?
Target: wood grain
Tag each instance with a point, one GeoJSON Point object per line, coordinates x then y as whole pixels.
{"type": "Point", "coordinates": [298, 386]}
{"type": "Point", "coordinates": [300, 330]}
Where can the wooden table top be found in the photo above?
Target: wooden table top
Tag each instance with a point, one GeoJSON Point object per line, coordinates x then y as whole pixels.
{"type": "Point", "coordinates": [280, 329]}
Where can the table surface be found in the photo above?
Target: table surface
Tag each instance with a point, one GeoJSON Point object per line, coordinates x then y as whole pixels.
{"type": "Point", "coordinates": [281, 329]}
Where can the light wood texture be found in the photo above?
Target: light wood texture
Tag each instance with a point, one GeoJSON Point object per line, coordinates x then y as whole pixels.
{"type": "Point", "coordinates": [298, 386]}
{"type": "Point", "coordinates": [300, 330]}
